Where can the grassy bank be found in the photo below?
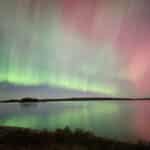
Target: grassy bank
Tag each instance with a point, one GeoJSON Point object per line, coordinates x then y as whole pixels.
{"type": "Point", "coordinates": [26, 139]}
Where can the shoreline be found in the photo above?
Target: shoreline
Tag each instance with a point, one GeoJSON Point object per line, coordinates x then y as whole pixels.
{"type": "Point", "coordinates": [72, 99]}
{"type": "Point", "coordinates": [61, 139]}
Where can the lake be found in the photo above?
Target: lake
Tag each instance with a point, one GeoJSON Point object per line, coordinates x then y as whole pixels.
{"type": "Point", "coordinates": [121, 120]}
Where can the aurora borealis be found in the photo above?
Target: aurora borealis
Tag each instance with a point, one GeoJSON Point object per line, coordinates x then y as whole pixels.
{"type": "Point", "coordinates": [75, 48]}
{"type": "Point", "coordinates": [93, 46]}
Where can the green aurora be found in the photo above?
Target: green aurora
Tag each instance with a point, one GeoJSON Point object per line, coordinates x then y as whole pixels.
{"type": "Point", "coordinates": [43, 52]}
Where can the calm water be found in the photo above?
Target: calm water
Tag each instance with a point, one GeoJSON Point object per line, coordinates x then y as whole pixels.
{"type": "Point", "coordinates": [119, 120]}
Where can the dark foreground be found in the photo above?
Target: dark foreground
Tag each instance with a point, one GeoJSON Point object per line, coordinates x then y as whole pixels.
{"type": "Point", "coordinates": [26, 139]}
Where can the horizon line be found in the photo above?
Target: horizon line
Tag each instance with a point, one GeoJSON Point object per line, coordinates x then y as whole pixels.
{"type": "Point", "coordinates": [72, 99]}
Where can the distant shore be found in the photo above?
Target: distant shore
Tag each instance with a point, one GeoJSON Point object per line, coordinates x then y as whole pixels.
{"type": "Point", "coordinates": [36, 100]}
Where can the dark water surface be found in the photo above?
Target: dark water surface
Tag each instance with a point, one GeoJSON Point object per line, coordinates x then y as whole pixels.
{"type": "Point", "coordinates": [123, 120]}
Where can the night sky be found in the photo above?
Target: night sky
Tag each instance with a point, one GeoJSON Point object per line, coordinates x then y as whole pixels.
{"type": "Point", "coordinates": [67, 48]}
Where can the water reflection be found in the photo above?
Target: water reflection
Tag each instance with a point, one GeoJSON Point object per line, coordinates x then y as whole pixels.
{"type": "Point", "coordinates": [28, 105]}
{"type": "Point", "coordinates": [121, 120]}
